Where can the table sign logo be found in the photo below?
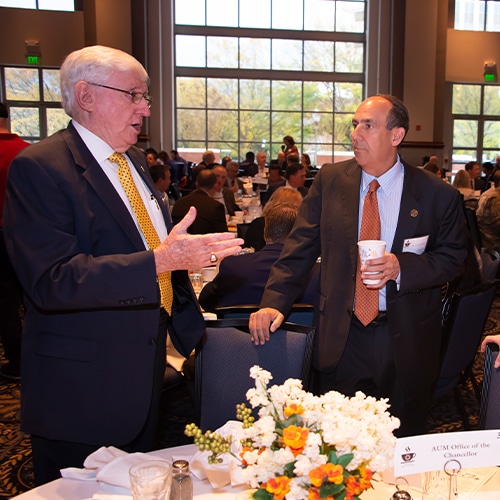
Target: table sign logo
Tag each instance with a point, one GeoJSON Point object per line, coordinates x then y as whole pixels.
{"type": "Point", "coordinates": [408, 455]}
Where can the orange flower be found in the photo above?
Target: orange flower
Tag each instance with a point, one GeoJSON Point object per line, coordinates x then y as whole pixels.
{"type": "Point", "coordinates": [313, 494]}
{"type": "Point", "coordinates": [295, 438]}
{"type": "Point", "coordinates": [293, 409]}
{"type": "Point", "coordinates": [366, 476]}
{"type": "Point", "coordinates": [316, 475]}
{"type": "Point", "coordinates": [332, 473]}
{"type": "Point", "coordinates": [352, 486]}
{"type": "Point", "coordinates": [278, 487]}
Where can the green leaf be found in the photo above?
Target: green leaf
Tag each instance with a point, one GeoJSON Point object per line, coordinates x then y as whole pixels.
{"type": "Point", "coordinates": [332, 457]}
{"type": "Point", "coordinates": [345, 459]}
{"type": "Point", "coordinates": [262, 494]}
{"type": "Point", "coordinates": [289, 469]}
{"type": "Point", "coordinates": [330, 490]}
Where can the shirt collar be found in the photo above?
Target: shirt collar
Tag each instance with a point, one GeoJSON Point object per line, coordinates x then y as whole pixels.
{"type": "Point", "coordinates": [387, 180]}
{"type": "Point", "coordinates": [99, 149]}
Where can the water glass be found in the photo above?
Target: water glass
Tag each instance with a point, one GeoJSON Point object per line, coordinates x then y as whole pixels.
{"type": "Point", "coordinates": [151, 480]}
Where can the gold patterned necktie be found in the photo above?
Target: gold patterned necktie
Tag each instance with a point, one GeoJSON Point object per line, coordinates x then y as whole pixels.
{"type": "Point", "coordinates": [145, 223]}
{"type": "Point", "coordinates": [366, 301]}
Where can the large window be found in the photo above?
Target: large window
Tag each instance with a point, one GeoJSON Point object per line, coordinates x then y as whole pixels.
{"type": "Point", "coordinates": [249, 72]}
{"type": "Point", "coordinates": [477, 15]}
{"type": "Point", "coordinates": [476, 123]}
{"type": "Point", "coordinates": [34, 100]}
{"type": "Point", "coordinates": [67, 5]}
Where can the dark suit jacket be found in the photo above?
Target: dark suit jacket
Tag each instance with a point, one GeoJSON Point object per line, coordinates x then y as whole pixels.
{"type": "Point", "coordinates": [242, 278]}
{"type": "Point", "coordinates": [276, 185]}
{"type": "Point", "coordinates": [230, 201]}
{"type": "Point", "coordinates": [92, 299]}
{"type": "Point", "coordinates": [210, 217]}
{"type": "Point", "coordinates": [327, 225]}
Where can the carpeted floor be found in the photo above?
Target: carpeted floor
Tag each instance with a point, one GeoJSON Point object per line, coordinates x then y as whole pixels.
{"type": "Point", "coordinates": [177, 411]}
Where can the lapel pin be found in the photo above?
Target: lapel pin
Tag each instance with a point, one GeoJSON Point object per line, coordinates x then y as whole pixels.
{"type": "Point", "coordinates": [414, 212]}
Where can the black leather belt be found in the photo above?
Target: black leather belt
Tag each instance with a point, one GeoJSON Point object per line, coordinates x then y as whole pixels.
{"type": "Point", "coordinates": [381, 318]}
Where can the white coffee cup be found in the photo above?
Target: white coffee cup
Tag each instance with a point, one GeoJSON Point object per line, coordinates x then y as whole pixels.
{"type": "Point", "coordinates": [209, 273]}
{"type": "Point", "coordinates": [238, 216]}
{"type": "Point", "coordinates": [370, 249]}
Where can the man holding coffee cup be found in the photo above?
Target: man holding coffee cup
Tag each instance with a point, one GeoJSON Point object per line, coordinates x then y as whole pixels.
{"type": "Point", "coordinates": [382, 338]}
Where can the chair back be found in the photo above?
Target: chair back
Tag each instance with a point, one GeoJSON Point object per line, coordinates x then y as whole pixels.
{"type": "Point", "coordinates": [490, 261]}
{"type": "Point", "coordinates": [463, 331]}
{"type": "Point", "coordinates": [224, 359]}
{"type": "Point", "coordinates": [489, 414]}
{"type": "Point", "coordinates": [241, 230]}
{"type": "Point", "coordinates": [471, 220]}
{"type": "Point", "coordinates": [301, 314]}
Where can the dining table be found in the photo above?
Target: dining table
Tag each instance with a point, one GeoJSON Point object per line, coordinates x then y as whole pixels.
{"type": "Point", "coordinates": [74, 489]}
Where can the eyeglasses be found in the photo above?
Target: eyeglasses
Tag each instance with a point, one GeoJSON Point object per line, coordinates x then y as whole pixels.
{"type": "Point", "coordinates": [135, 96]}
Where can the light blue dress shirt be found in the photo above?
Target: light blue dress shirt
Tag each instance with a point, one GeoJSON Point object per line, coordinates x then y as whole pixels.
{"type": "Point", "coordinates": [389, 200]}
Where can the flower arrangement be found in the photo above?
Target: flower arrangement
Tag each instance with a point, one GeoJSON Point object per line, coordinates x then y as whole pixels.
{"type": "Point", "coordinates": [306, 447]}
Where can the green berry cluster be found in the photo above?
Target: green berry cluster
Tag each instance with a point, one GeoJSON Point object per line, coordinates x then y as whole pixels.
{"type": "Point", "coordinates": [209, 441]}
{"type": "Point", "coordinates": [244, 414]}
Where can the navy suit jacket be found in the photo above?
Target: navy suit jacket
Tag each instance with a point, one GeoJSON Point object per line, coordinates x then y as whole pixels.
{"type": "Point", "coordinates": [327, 225]}
{"type": "Point", "coordinates": [242, 279]}
{"type": "Point", "coordinates": [210, 215]}
{"type": "Point", "coordinates": [91, 295]}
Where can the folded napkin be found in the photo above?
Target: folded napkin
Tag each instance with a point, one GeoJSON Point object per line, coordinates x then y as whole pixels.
{"type": "Point", "coordinates": [229, 471]}
{"type": "Point", "coordinates": [108, 465]}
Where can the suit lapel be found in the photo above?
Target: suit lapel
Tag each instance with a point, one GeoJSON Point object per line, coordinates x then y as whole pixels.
{"type": "Point", "coordinates": [410, 209]}
{"type": "Point", "coordinates": [97, 179]}
{"type": "Point", "coordinates": [350, 206]}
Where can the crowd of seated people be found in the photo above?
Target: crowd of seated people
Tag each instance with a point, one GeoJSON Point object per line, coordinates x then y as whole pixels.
{"type": "Point", "coordinates": [242, 278]}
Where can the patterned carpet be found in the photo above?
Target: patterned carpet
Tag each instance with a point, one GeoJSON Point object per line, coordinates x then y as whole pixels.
{"type": "Point", "coordinates": [15, 454]}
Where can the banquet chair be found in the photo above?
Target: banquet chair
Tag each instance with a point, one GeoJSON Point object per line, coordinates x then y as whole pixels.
{"type": "Point", "coordinates": [489, 414]}
{"type": "Point", "coordinates": [462, 333]}
{"type": "Point", "coordinates": [490, 261]}
{"type": "Point", "coordinates": [301, 314]}
{"type": "Point", "coordinates": [471, 220]}
{"type": "Point", "coordinates": [225, 356]}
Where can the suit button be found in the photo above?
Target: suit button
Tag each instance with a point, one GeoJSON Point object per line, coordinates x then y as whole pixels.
{"type": "Point", "coordinates": [152, 342]}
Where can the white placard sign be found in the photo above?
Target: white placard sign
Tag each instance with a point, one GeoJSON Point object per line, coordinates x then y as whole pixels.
{"type": "Point", "coordinates": [431, 452]}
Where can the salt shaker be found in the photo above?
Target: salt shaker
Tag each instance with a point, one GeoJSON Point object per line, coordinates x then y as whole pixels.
{"type": "Point", "coordinates": [182, 482]}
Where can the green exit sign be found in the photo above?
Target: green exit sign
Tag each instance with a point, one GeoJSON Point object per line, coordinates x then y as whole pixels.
{"type": "Point", "coordinates": [33, 59]}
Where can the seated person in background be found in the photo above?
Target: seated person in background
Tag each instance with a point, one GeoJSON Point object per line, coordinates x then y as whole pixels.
{"type": "Point", "coordinates": [207, 160]}
{"type": "Point", "coordinates": [280, 161]}
{"type": "Point", "coordinates": [474, 171]}
{"type": "Point", "coordinates": [492, 191]}
{"type": "Point", "coordinates": [433, 168]}
{"type": "Point", "coordinates": [254, 237]}
{"type": "Point", "coordinates": [295, 176]}
{"type": "Point", "coordinates": [305, 159]}
{"type": "Point", "coordinates": [242, 278]}
{"type": "Point", "coordinates": [210, 216]}
{"type": "Point", "coordinates": [462, 183]}
{"type": "Point", "coordinates": [161, 177]}
{"type": "Point", "coordinates": [249, 167]}
{"type": "Point", "coordinates": [488, 219]}
{"type": "Point", "coordinates": [223, 194]}
{"type": "Point", "coordinates": [233, 182]}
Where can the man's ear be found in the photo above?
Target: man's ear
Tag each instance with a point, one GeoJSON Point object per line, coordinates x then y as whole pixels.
{"type": "Point", "coordinates": [398, 135]}
{"type": "Point", "coordinates": [84, 96]}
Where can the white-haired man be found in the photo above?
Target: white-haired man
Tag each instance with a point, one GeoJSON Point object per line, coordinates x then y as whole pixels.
{"type": "Point", "coordinates": [102, 270]}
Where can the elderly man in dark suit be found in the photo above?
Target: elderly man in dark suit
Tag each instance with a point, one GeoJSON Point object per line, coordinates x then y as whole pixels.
{"type": "Point", "coordinates": [102, 270]}
{"type": "Point", "coordinates": [222, 193]}
{"type": "Point", "coordinates": [395, 353]}
{"type": "Point", "coordinates": [210, 216]}
{"type": "Point", "coordinates": [242, 278]}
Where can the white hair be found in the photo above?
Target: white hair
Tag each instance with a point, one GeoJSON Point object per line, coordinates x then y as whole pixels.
{"type": "Point", "coordinates": [93, 64]}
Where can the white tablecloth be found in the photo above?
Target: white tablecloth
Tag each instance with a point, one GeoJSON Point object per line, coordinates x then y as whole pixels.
{"type": "Point", "coordinates": [70, 489]}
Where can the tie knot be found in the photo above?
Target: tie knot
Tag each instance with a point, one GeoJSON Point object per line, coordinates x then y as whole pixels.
{"type": "Point", "coordinates": [374, 185]}
{"type": "Point", "coordinates": [119, 159]}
